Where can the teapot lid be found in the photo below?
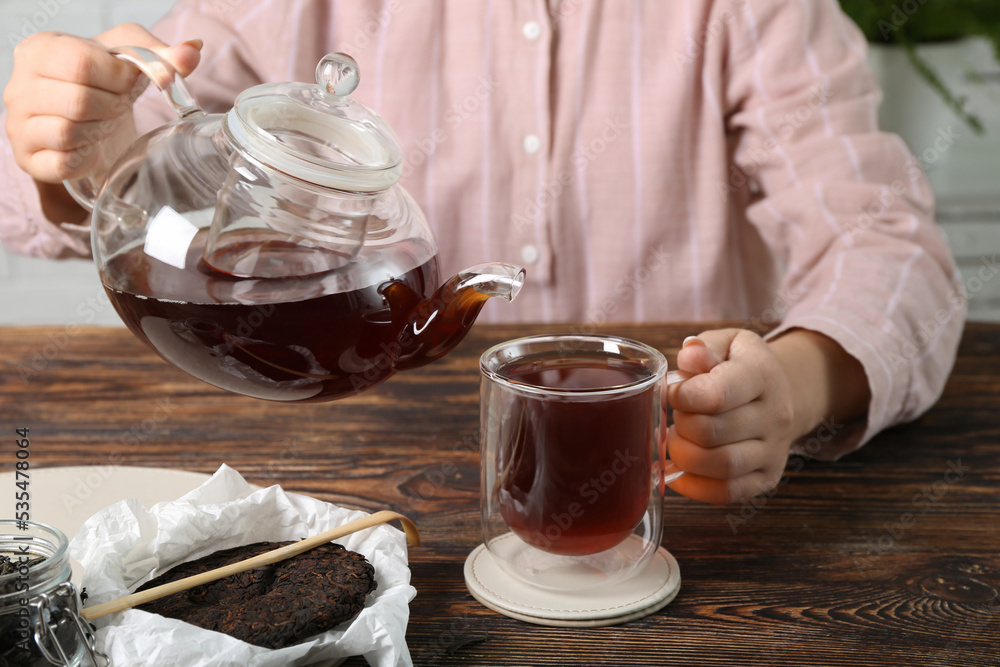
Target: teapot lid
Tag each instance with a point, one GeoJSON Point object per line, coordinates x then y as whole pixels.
{"type": "Point", "coordinates": [317, 133]}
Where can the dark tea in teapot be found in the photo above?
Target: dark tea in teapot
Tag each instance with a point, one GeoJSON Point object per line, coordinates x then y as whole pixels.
{"type": "Point", "coordinates": [290, 339]}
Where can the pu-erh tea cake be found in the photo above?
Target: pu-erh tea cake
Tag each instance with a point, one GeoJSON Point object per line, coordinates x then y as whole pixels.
{"type": "Point", "coordinates": [275, 605]}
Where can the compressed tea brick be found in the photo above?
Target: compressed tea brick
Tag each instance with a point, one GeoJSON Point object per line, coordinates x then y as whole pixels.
{"type": "Point", "coordinates": [274, 605]}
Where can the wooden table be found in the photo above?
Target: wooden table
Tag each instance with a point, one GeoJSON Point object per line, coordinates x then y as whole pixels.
{"type": "Point", "coordinates": [887, 557]}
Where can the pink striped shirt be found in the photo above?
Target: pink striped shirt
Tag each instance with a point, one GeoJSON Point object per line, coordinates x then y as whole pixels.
{"type": "Point", "coordinates": [643, 159]}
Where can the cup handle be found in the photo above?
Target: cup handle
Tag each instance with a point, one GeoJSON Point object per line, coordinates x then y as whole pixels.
{"type": "Point", "coordinates": [162, 74]}
{"type": "Point", "coordinates": [673, 377]}
{"type": "Point", "coordinates": [670, 470]}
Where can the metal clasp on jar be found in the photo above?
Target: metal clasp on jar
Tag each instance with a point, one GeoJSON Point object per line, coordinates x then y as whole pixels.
{"type": "Point", "coordinates": [46, 630]}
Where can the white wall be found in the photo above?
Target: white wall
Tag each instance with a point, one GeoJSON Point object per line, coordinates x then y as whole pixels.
{"type": "Point", "coordinates": [966, 175]}
{"type": "Point", "coordinates": [963, 167]}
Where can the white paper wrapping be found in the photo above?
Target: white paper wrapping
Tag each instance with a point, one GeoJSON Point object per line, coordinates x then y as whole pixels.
{"type": "Point", "coordinates": [125, 545]}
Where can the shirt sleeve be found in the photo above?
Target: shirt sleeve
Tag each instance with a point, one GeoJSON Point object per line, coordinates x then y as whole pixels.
{"type": "Point", "coordinates": [845, 207]}
{"type": "Point", "coordinates": [24, 229]}
{"type": "Point", "coordinates": [245, 43]}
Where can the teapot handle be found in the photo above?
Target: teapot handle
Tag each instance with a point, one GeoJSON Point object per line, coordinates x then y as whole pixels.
{"type": "Point", "coordinates": [163, 75]}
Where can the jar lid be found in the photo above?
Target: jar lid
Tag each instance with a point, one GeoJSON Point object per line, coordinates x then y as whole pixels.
{"type": "Point", "coordinates": [317, 133]}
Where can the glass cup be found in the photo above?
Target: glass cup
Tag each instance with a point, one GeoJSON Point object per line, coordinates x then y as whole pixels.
{"type": "Point", "coordinates": [574, 457]}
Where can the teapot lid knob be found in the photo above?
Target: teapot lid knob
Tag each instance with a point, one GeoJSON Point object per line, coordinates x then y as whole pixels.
{"type": "Point", "coordinates": [337, 74]}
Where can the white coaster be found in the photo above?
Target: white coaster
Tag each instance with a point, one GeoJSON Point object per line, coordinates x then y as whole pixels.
{"type": "Point", "coordinates": [619, 602]}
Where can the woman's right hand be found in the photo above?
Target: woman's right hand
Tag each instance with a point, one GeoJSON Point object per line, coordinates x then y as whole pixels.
{"type": "Point", "coordinates": [69, 101]}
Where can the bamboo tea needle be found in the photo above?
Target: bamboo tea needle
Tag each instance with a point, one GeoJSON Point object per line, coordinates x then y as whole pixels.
{"type": "Point", "coordinates": [280, 554]}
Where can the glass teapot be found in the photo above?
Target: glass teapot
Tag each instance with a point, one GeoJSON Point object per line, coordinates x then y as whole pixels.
{"type": "Point", "coordinates": [270, 250]}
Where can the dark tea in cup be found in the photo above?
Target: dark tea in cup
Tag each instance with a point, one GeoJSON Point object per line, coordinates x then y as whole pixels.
{"type": "Point", "coordinates": [574, 458]}
{"type": "Point", "coordinates": [575, 469]}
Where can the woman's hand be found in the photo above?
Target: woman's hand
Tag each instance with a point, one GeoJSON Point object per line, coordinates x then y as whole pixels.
{"type": "Point", "coordinates": [69, 102]}
{"type": "Point", "coordinates": [735, 420]}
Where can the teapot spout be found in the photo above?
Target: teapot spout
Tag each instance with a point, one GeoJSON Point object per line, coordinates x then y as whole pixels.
{"type": "Point", "coordinates": [439, 323]}
{"type": "Point", "coordinates": [495, 279]}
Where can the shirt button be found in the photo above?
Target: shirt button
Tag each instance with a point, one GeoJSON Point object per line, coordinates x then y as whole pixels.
{"type": "Point", "coordinates": [532, 143]}
{"type": "Point", "coordinates": [531, 30]}
{"type": "Point", "coordinates": [529, 254]}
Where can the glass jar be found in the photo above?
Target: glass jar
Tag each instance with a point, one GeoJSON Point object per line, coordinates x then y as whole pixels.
{"type": "Point", "coordinates": [39, 605]}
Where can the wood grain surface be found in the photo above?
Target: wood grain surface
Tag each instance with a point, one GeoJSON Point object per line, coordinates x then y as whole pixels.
{"type": "Point", "coordinates": [886, 557]}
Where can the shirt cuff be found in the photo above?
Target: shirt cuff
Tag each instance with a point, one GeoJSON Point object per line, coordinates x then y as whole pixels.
{"type": "Point", "coordinates": [836, 437]}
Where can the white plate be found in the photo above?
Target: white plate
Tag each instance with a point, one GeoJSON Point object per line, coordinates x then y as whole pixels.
{"type": "Point", "coordinates": [66, 497]}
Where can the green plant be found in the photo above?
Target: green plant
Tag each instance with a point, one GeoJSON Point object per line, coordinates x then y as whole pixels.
{"type": "Point", "coordinates": [912, 22]}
